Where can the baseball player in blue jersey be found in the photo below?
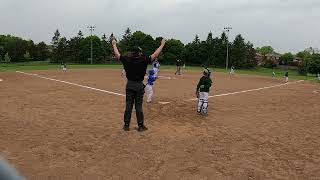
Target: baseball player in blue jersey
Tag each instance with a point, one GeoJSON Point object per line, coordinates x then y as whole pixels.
{"type": "Point", "coordinates": [151, 79]}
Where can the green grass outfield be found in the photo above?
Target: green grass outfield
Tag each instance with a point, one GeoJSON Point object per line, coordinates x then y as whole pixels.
{"type": "Point", "coordinates": [44, 65]}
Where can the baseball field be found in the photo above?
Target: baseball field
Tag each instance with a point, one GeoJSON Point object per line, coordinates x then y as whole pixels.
{"type": "Point", "coordinates": [57, 125]}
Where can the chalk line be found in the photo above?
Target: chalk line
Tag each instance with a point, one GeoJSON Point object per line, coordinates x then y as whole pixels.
{"type": "Point", "coordinates": [70, 83]}
{"type": "Point", "coordinates": [249, 90]}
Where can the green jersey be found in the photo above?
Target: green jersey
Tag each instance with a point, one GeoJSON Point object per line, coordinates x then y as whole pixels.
{"type": "Point", "coordinates": [204, 84]}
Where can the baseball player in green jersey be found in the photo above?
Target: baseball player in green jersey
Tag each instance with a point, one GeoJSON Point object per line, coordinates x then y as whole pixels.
{"type": "Point", "coordinates": [202, 92]}
{"type": "Point", "coordinates": [286, 77]}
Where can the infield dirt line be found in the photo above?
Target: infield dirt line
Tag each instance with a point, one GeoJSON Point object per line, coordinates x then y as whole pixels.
{"type": "Point", "coordinates": [250, 90]}
{"type": "Point", "coordinates": [70, 83]}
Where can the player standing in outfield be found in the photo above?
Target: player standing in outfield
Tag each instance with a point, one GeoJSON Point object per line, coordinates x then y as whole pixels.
{"type": "Point", "coordinates": [64, 67]}
{"type": "Point", "coordinates": [202, 92]}
{"type": "Point", "coordinates": [318, 76]}
{"type": "Point", "coordinates": [286, 77]}
{"type": "Point", "coordinates": [178, 64]}
{"type": "Point", "coordinates": [231, 70]}
{"type": "Point", "coordinates": [151, 79]}
{"type": "Point", "coordinates": [135, 65]}
{"type": "Point", "coordinates": [156, 67]}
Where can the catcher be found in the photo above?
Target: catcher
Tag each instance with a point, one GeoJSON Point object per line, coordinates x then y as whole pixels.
{"type": "Point", "coordinates": [202, 92]}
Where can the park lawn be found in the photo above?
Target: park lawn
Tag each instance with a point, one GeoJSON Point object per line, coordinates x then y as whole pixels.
{"type": "Point", "coordinates": [45, 65]}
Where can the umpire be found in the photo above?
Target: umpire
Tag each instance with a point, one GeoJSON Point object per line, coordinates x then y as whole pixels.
{"type": "Point", "coordinates": [135, 64]}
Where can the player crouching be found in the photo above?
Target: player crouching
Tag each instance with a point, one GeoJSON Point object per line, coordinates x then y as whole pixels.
{"type": "Point", "coordinates": [203, 89]}
{"type": "Point", "coordinates": [151, 79]}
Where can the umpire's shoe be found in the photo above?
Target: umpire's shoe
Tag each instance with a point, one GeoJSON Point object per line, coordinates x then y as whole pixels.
{"type": "Point", "coordinates": [126, 128]}
{"type": "Point", "coordinates": [142, 128]}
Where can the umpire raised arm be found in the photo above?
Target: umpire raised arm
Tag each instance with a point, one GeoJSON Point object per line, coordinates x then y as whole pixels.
{"type": "Point", "coordinates": [135, 64]}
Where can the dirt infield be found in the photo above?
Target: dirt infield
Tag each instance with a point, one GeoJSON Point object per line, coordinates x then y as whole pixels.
{"type": "Point", "coordinates": [54, 130]}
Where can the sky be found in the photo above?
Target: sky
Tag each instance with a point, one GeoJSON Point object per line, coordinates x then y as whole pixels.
{"type": "Point", "coordinates": [286, 25]}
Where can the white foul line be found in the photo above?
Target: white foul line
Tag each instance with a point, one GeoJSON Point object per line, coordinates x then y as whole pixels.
{"type": "Point", "coordinates": [250, 90]}
{"type": "Point", "coordinates": [66, 82]}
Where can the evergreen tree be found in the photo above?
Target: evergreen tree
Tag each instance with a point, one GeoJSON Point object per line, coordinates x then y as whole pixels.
{"type": "Point", "coordinates": [55, 43]}
{"type": "Point", "coordinates": [106, 48]}
{"type": "Point", "coordinates": [124, 43]}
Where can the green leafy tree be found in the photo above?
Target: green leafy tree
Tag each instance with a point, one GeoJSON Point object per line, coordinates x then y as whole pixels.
{"type": "Point", "coordinates": [32, 50]}
{"type": "Point", "coordinates": [2, 50]}
{"type": "Point", "coordinates": [16, 47]}
{"type": "Point", "coordinates": [303, 55]}
{"type": "Point", "coordinates": [86, 49]}
{"type": "Point", "coordinates": [314, 64]}
{"type": "Point", "coordinates": [145, 41]}
{"type": "Point", "coordinates": [265, 50]}
{"type": "Point", "coordinates": [42, 52]}
{"type": "Point", "coordinates": [286, 58]}
{"type": "Point", "coordinates": [303, 66]}
{"type": "Point", "coordinates": [172, 51]}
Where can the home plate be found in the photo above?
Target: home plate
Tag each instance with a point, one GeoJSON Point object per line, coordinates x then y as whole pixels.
{"type": "Point", "coordinates": [1, 80]}
{"type": "Point", "coordinates": [164, 102]}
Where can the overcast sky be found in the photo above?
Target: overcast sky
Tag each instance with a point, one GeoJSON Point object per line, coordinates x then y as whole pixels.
{"type": "Point", "coordinates": [287, 25]}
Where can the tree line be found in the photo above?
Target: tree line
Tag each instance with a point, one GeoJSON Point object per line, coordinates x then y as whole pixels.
{"type": "Point", "coordinates": [307, 62]}
{"type": "Point", "coordinates": [211, 51]}
{"type": "Point", "coordinates": [15, 49]}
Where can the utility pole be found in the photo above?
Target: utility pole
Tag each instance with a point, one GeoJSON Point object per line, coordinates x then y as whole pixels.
{"type": "Point", "coordinates": [227, 29]}
{"type": "Point", "coordinates": [91, 28]}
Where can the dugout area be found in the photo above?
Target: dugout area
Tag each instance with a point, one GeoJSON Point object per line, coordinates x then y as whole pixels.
{"type": "Point", "coordinates": [54, 130]}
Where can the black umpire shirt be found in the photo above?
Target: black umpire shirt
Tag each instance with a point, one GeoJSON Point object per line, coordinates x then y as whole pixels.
{"type": "Point", "coordinates": [135, 67]}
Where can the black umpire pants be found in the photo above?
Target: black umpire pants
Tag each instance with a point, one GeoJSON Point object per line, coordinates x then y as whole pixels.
{"type": "Point", "coordinates": [134, 95]}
